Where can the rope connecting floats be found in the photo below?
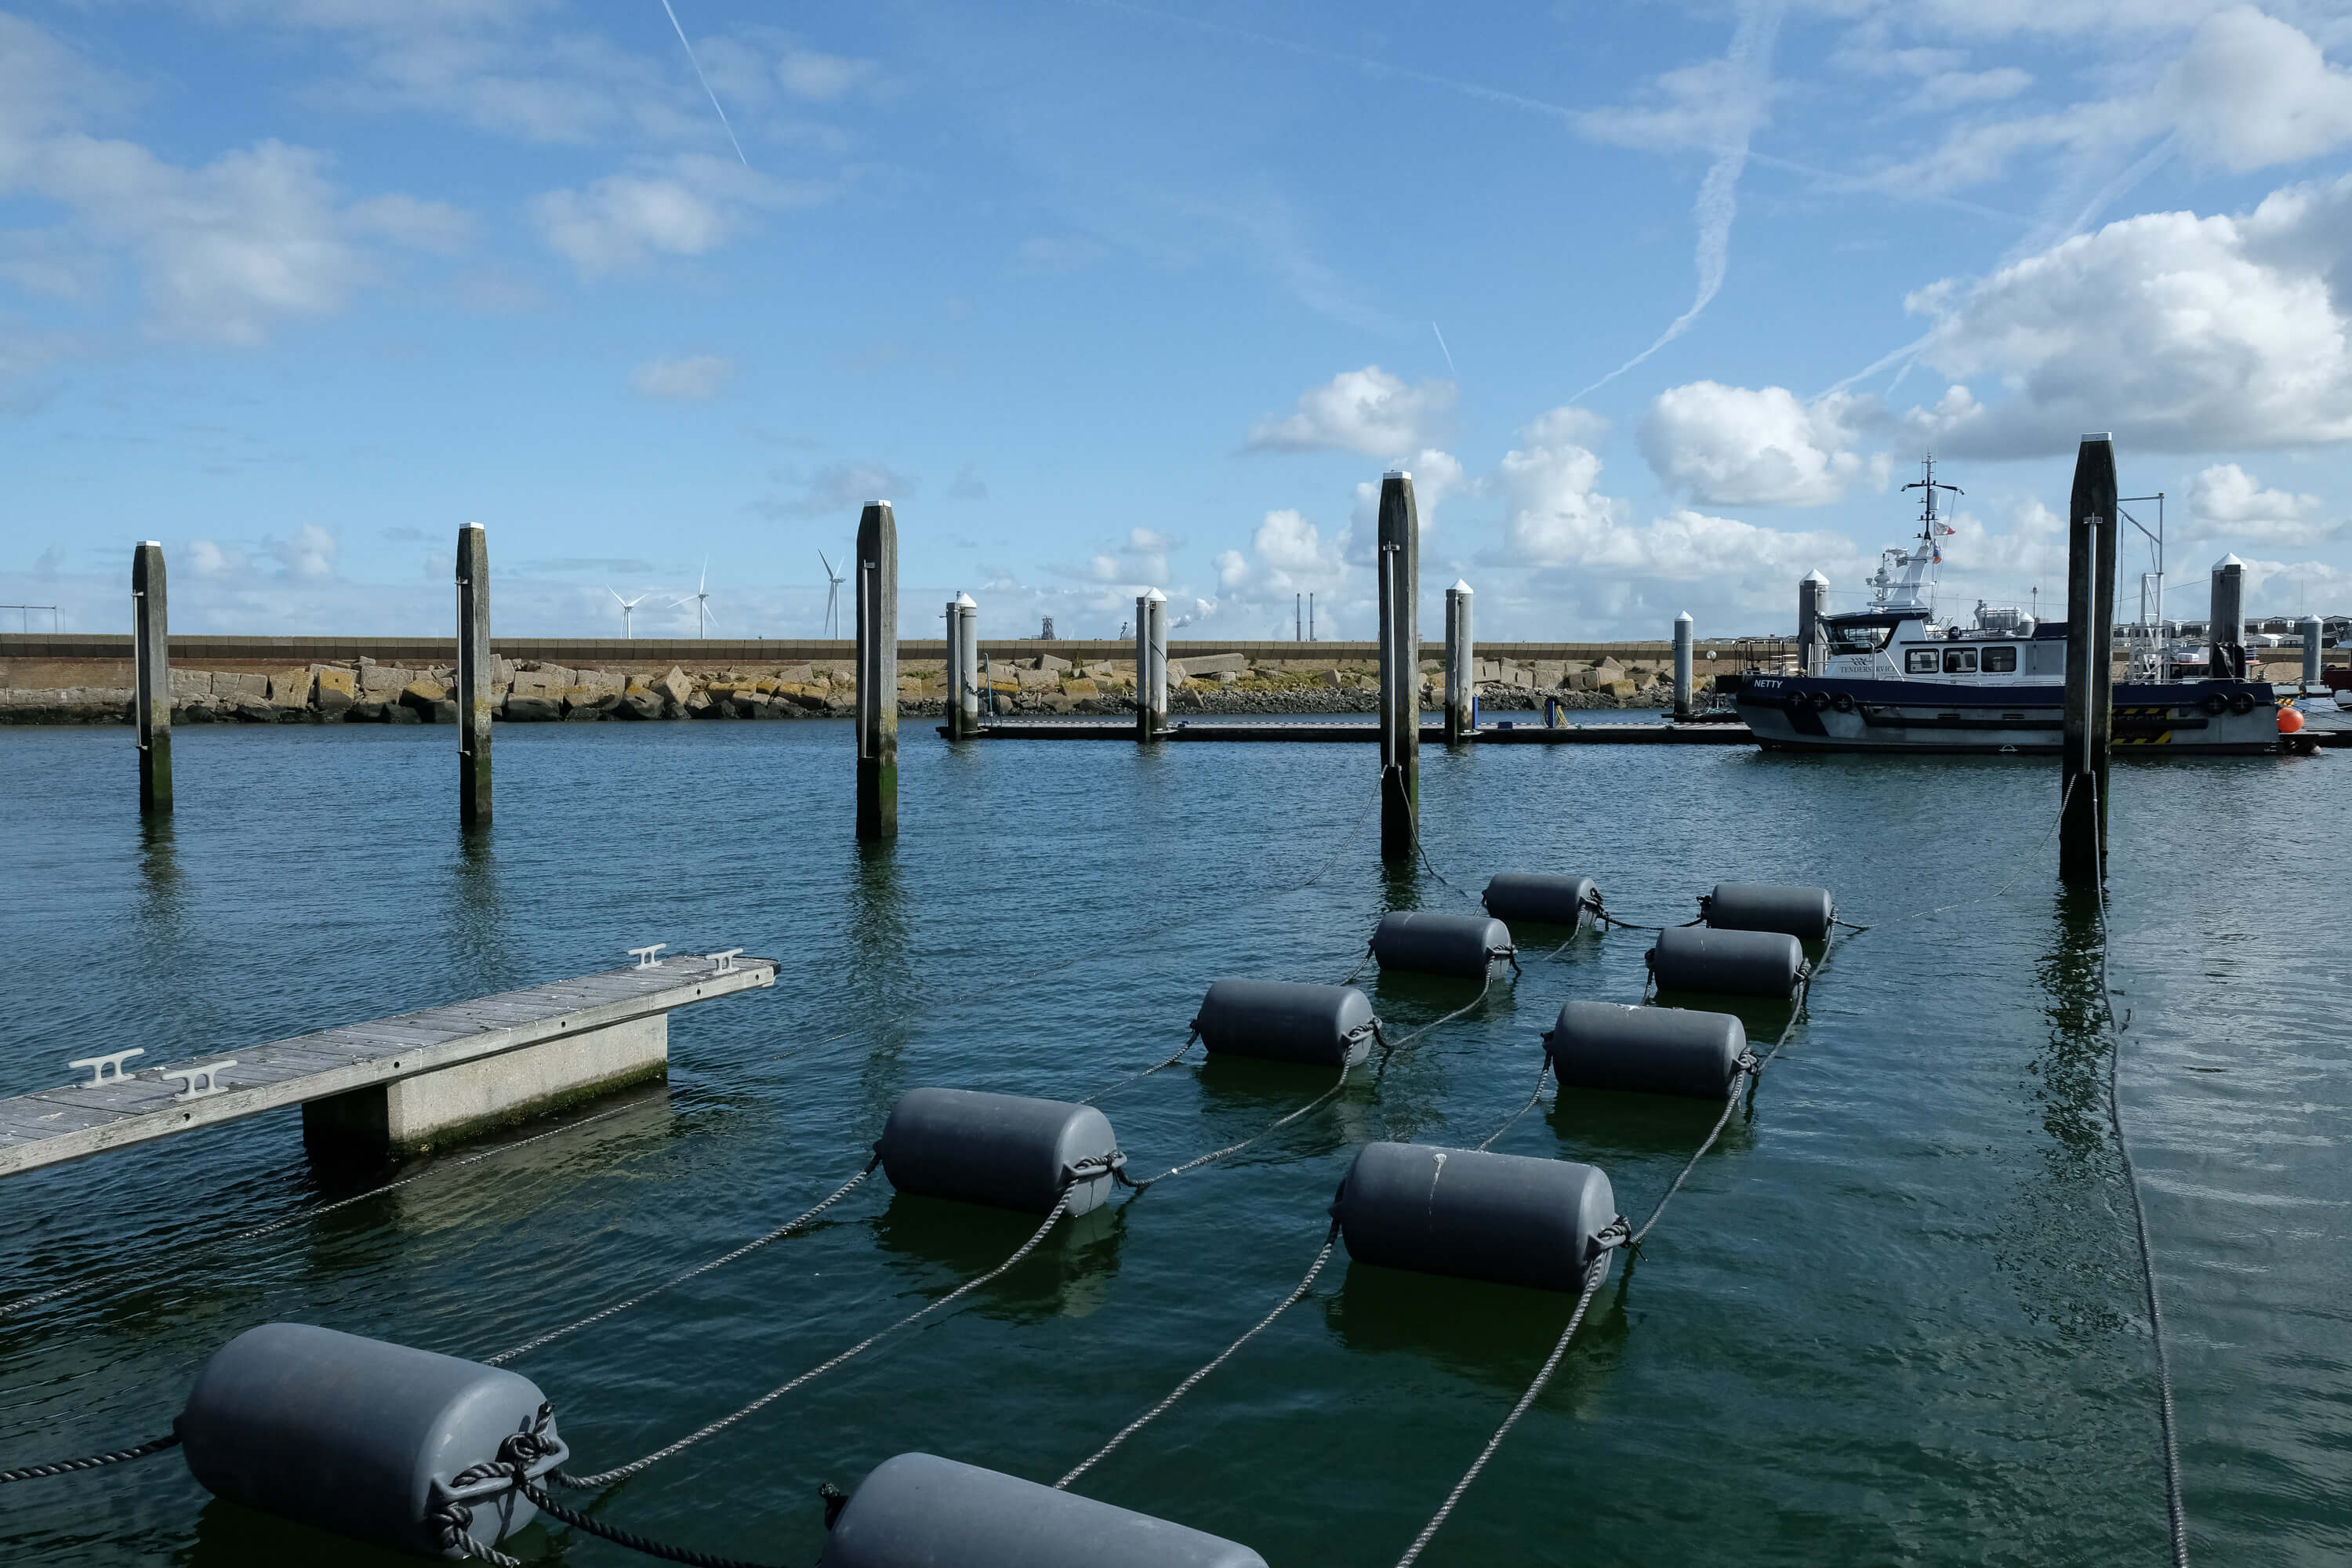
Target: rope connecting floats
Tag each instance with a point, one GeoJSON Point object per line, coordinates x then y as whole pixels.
{"type": "Point", "coordinates": [2176, 1514]}
{"type": "Point", "coordinates": [617, 1308]}
{"type": "Point", "coordinates": [1191, 1034]}
{"type": "Point", "coordinates": [1118, 1173]}
{"type": "Point", "coordinates": [1594, 1272]}
{"type": "Point", "coordinates": [602, 1479]}
{"type": "Point", "coordinates": [95, 1461]}
{"type": "Point", "coordinates": [1298, 1293]}
{"type": "Point", "coordinates": [452, 1513]}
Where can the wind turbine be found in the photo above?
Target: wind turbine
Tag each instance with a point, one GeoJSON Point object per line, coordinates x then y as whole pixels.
{"type": "Point", "coordinates": [832, 598]}
{"type": "Point", "coordinates": [701, 599]}
{"type": "Point", "coordinates": [627, 606]}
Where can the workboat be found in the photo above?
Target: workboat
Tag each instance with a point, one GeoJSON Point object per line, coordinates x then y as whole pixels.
{"type": "Point", "coordinates": [1894, 677]}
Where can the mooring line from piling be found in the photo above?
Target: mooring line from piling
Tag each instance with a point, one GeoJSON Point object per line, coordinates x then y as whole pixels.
{"type": "Point", "coordinates": [1542, 1073]}
{"type": "Point", "coordinates": [2176, 1511]}
{"type": "Point", "coordinates": [1124, 1180]}
{"type": "Point", "coordinates": [22, 1302]}
{"type": "Point", "coordinates": [606, 1478]}
{"type": "Point", "coordinates": [1594, 1272]}
{"type": "Point", "coordinates": [617, 1308]}
{"type": "Point", "coordinates": [1298, 1293]}
{"type": "Point", "coordinates": [1191, 1034]}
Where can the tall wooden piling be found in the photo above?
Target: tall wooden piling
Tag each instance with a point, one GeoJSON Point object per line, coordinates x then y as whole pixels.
{"type": "Point", "coordinates": [1813, 650]}
{"type": "Point", "coordinates": [1682, 665]}
{"type": "Point", "coordinates": [472, 676]}
{"type": "Point", "coordinates": [2089, 721]}
{"type": "Point", "coordinates": [964, 668]}
{"type": "Point", "coordinates": [152, 653]}
{"type": "Point", "coordinates": [2225, 621]}
{"type": "Point", "coordinates": [878, 673]}
{"type": "Point", "coordinates": [1150, 664]}
{"type": "Point", "coordinates": [1461, 668]}
{"type": "Point", "coordinates": [1399, 592]}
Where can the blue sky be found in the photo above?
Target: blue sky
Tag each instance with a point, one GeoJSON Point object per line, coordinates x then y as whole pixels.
{"type": "Point", "coordinates": [1657, 302]}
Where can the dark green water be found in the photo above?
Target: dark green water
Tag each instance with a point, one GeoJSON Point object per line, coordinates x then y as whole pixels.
{"type": "Point", "coordinates": [1895, 1319]}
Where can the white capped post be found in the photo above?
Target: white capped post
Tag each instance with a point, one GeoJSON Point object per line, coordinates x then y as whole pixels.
{"type": "Point", "coordinates": [1460, 672]}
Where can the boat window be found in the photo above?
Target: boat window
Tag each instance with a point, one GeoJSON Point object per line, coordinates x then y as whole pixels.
{"type": "Point", "coordinates": [1919, 661]}
{"type": "Point", "coordinates": [2000, 661]}
{"type": "Point", "coordinates": [1959, 661]}
{"type": "Point", "coordinates": [1858, 639]}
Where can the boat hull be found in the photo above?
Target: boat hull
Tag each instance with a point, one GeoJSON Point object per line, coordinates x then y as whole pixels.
{"type": "Point", "coordinates": [1832, 713]}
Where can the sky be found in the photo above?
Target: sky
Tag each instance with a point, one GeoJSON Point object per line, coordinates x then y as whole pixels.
{"type": "Point", "coordinates": [1659, 303]}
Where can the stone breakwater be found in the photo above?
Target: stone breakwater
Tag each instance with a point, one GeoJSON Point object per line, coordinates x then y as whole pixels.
{"type": "Point", "coordinates": [363, 691]}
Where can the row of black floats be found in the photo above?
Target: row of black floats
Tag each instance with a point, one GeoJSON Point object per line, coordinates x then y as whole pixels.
{"type": "Point", "coordinates": [421, 1452]}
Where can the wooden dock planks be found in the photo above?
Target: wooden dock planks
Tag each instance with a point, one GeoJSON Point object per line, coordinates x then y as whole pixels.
{"type": "Point", "coordinates": [50, 1125]}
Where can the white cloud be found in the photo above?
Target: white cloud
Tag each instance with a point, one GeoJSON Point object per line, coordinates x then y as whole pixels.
{"type": "Point", "coordinates": [1368, 411]}
{"type": "Point", "coordinates": [2179, 332]}
{"type": "Point", "coordinates": [839, 490]}
{"type": "Point", "coordinates": [309, 553]}
{"type": "Point", "coordinates": [823, 78]}
{"type": "Point", "coordinates": [2252, 90]}
{"type": "Point", "coordinates": [2229, 502]}
{"type": "Point", "coordinates": [209, 560]}
{"type": "Point", "coordinates": [1288, 556]}
{"type": "Point", "coordinates": [686, 205]}
{"type": "Point", "coordinates": [695, 376]}
{"type": "Point", "coordinates": [1436, 476]}
{"type": "Point", "coordinates": [1736, 446]}
{"type": "Point", "coordinates": [223, 251]}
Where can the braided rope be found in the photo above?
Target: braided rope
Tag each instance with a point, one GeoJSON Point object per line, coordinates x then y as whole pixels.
{"type": "Point", "coordinates": [1190, 1036]}
{"type": "Point", "coordinates": [606, 1478]}
{"type": "Point", "coordinates": [1594, 1272]}
{"type": "Point", "coordinates": [1214, 1154]}
{"type": "Point", "coordinates": [629, 1539]}
{"type": "Point", "coordinates": [1542, 1072]}
{"type": "Point", "coordinates": [95, 1461]}
{"type": "Point", "coordinates": [719, 1262]}
{"type": "Point", "coordinates": [1296, 1293]}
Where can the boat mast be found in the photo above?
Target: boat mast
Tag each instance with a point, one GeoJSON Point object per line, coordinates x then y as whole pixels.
{"type": "Point", "coordinates": [1927, 486]}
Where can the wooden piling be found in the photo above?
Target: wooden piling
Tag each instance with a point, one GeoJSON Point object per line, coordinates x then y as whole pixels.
{"type": "Point", "coordinates": [1461, 667]}
{"type": "Point", "coordinates": [1812, 644]}
{"type": "Point", "coordinates": [964, 668]}
{"type": "Point", "coordinates": [1400, 585]}
{"type": "Point", "coordinates": [2225, 621]}
{"type": "Point", "coordinates": [1150, 664]}
{"type": "Point", "coordinates": [878, 673]}
{"type": "Point", "coordinates": [2089, 722]}
{"type": "Point", "coordinates": [472, 676]}
{"type": "Point", "coordinates": [1682, 665]}
{"type": "Point", "coordinates": [152, 653]}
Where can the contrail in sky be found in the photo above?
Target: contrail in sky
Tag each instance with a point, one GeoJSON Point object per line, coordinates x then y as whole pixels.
{"type": "Point", "coordinates": [1443, 350]}
{"type": "Point", "coordinates": [706, 84]}
{"type": "Point", "coordinates": [1751, 55]}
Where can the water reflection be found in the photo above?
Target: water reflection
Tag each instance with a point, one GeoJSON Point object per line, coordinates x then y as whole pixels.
{"type": "Point", "coordinates": [883, 981]}
{"type": "Point", "coordinates": [1494, 1335]}
{"type": "Point", "coordinates": [1070, 1275]}
{"type": "Point", "coordinates": [475, 905]}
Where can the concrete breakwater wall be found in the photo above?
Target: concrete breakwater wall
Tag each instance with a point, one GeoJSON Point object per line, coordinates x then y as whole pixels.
{"type": "Point", "coordinates": [1029, 679]}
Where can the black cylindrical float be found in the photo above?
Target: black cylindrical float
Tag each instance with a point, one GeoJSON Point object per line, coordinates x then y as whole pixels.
{"type": "Point", "coordinates": [919, 1510]}
{"type": "Point", "coordinates": [349, 1433]}
{"type": "Point", "coordinates": [1502, 1217]}
{"type": "Point", "coordinates": [1656, 1050]}
{"type": "Point", "coordinates": [1286, 1020]}
{"type": "Point", "coordinates": [1441, 945]}
{"type": "Point", "coordinates": [1004, 1150]}
{"type": "Point", "coordinates": [1537, 896]}
{"type": "Point", "coordinates": [1727, 962]}
{"type": "Point", "coordinates": [1804, 913]}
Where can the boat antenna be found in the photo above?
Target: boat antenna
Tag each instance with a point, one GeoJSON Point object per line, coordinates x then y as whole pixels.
{"type": "Point", "coordinates": [1928, 486]}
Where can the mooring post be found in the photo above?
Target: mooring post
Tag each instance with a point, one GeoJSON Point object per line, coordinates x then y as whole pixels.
{"type": "Point", "coordinates": [152, 653]}
{"type": "Point", "coordinates": [2225, 628]}
{"type": "Point", "coordinates": [1812, 654]}
{"type": "Point", "coordinates": [878, 673]}
{"type": "Point", "coordinates": [1400, 585]}
{"type": "Point", "coordinates": [1460, 672]}
{"type": "Point", "coordinates": [2313, 635]}
{"type": "Point", "coordinates": [2089, 721]}
{"type": "Point", "coordinates": [964, 668]}
{"type": "Point", "coordinates": [1150, 664]}
{"type": "Point", "coordinates": [1682, 665]}
{"type": "Point", "coordinates": [472, 676]}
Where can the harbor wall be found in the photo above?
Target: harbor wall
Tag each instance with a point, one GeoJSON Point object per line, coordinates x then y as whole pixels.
{"type": "Point", "coordinates": [86, 680]}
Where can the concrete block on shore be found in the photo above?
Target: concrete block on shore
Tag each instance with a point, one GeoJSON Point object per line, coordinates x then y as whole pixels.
{"type": "Point", "coordinates": [1038, 680]}
{"type": "Point", "coordinates": [527, 709]}
{"type": "Point", "coordinates": [640, 702]}
{"type": "Point", "coordinates": [398, 713]}
{"type": "Point", "coordinates": [443, 712]}
{"type": "Point", "coordinates": [674, 686]}
{"type": "Point", "coordinates": [366, 711]}
{"type": "Point", "coordinates": [290, 688]}
{"type": "Point", "coordinates": [1202, 665]}
{"type": "Point", "coordinates": [338, 689]}
{"type": "Point", "coordinates": [378, 682]}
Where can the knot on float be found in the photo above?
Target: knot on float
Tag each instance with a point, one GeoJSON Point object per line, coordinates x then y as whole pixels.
{"type": "Point", "coordinates": [451, 1512]}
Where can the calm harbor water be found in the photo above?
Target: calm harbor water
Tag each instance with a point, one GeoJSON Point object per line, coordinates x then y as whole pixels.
{"type": "Point", "coordinates": [1896, 1317]}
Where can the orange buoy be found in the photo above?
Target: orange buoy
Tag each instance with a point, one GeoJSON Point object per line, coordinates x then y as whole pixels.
{"type": "Point", "coordinates": [2290, 721]}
